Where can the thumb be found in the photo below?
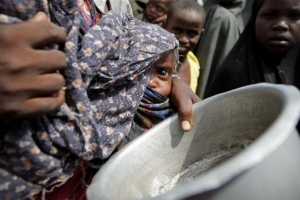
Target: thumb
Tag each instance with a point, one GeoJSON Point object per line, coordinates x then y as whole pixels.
{"type": "Point", "coordinates": [39, 17]}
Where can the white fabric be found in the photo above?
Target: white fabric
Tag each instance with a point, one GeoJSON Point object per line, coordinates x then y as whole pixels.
{"type": "Point", "coordinates": [122, 6]}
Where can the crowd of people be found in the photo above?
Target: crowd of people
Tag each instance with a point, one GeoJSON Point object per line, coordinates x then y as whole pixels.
{"type": "Point", "coordinates": [80, 79]}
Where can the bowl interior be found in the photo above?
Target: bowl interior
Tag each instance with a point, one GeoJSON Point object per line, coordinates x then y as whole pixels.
{"type": "Point", "coordinates": [166, 158]}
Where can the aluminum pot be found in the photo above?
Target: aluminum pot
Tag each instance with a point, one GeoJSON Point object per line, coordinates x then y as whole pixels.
{"type": "Point", "coordinates": [244, 145]}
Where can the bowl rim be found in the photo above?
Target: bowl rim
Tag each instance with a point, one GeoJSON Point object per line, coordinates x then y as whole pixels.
{"type": "Point", "coordinates": [243, 161]}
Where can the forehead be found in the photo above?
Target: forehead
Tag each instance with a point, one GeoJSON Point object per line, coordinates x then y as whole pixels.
{"type": "Point", "coordinates": [281, 4]}
{"type": "Point", "coordinates": [183, 16]}
{"type": "Point", "coordinates": [166, 60]}
{"type": "Point", "coordinates": [161, 1]}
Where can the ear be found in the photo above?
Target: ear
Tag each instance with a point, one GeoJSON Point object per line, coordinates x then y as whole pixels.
{"type": "Point", "coordinates": [202, 31]}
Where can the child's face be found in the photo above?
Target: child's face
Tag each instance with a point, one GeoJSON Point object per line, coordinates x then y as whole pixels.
{"type": "Point", "coordinates": [157, 8]}
{"type": "Point", "coordinates": [187, 26]}
{"type": "Point", "coordinates": [161, 74]}
{"type": "Point", "coordinates": [277, 25]}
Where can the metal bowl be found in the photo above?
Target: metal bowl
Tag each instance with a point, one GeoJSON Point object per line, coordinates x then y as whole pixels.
{"type": "Point", "coordinates": [244, 145]}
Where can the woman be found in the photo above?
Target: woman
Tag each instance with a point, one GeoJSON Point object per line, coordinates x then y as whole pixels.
{"type": "Point", "coordinates": [224, 23]}
{"type": "Point", "coordinates": [267, 50]}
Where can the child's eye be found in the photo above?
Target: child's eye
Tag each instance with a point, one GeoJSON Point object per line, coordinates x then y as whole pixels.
{"type": "Point", "coordinates": [295, 16]}
{"type": "Point", "coordinates": [176, 30]}
{"type": "Point", "coordinates": [269, 15]}
{"type": "Point", "coordinates": [159, 9]}
{"type": "Point", "coordinates": [193, 34]}
{"type": "Point", "coordinates": [149, 5]}
{"type": "Point", "coordinates": [163, 72]}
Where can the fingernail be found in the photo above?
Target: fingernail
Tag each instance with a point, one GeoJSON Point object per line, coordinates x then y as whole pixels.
{"type": "Point", "coordinates": [186, 126]}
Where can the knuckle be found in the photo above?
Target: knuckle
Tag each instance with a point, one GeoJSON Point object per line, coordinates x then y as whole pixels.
{"type": "Point", "coordinates": [185, 112]}
{"type": "Point", "coordinates": [54, 32]}
{"type": "Point", "coordinates": [9, 106]}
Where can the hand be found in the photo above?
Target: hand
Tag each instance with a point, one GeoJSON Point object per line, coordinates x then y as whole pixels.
{"type": "Point", "coordinates": [30, 84]}
{"type": "Point", "coordinates": [160, 21]}
{"type": "Point", "coordinates": [183, 97]}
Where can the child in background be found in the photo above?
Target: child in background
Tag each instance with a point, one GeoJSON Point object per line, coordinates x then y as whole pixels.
{"type": "Point", "coordinates": [155, 105]}
{"type": "Point", "coordinates": [186, 19]}
{"type": "Point", "coordinates": [155, 12]}
{"type": "Point", "coordinates": [267, 50]}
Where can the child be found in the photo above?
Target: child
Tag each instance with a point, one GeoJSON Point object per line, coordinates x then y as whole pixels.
{"type": "Point", "coordinates": [186, 20]}
{"type": "Point", "coordinates": [225, 21]}
{"type": "Point", "coordinates": [267, 50]}
{"type": "Point", "coordinates": [155, 12]}
{"type": "Point", "coordinates": [155, 105]}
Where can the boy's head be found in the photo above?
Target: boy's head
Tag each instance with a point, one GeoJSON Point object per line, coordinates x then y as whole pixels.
{"type": "Point", "coordinates": [157, 8]}
{"type": "Point", "coordinates": [185, 19]}
{"type": "Point", "coordinates": [161, 73]}
{"type": "Point", "coordinates": [277, 24]}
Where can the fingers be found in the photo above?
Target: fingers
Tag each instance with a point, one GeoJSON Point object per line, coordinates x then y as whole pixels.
{"type": "Point", "coordinates": [32, 107]}
{"type": "Point", "coordinates": [49, 61]}
{"type": "Point", "coordinates": [50, 34]}
{"type": "Point", "coordinates": [29, 78]}
{"type": "Point", "coordinates": [186, 116]}
{"type": "Point", "coordinates": [160, 20]}
{"type": "Point", "coordinates": [40, 106]}
{"type": "Point", "coordinates": [55, 33]}
{"type": "Point", "coordinates": [184, 98]}
{"type": "Point", "coordinates": [48, 84]}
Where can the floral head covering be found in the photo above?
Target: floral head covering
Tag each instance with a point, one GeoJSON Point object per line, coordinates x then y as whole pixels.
{"type": "Point", "coordinates": [106, 75]}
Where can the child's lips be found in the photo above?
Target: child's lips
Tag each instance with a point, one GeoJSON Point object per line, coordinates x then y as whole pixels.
{"type": "Point", "coordinates": [278, 40]}
{"type": "Point", "coordinates": [183, 49]}
{"type": "Point", "coordinates": [150, 18]}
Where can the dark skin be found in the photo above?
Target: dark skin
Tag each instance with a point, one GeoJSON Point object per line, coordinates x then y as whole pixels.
{"type": "Point", "coordinates": [183, 98]}
{"type": "Point", "coordinates": [187, 26]}
{"type": "Point", "coordinates": [30, 83]}
{"type": "Point", "coordinates": [156, 11]}
{"type": "Point", "coordinates": [184, 71]}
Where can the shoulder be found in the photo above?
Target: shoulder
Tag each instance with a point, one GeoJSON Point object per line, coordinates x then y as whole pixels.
{"type": "Point", "coordinates": [192, 60]}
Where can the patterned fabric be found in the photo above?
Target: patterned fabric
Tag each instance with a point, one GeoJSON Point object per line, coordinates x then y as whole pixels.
{"type": "Point", "coordinates": [89, 14]}
{"type": "Point", "coordinates": [153, 108]}
{"type": "Point", "coordinates": [105, 80]}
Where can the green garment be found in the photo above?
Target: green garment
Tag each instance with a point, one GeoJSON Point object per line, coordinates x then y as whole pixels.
{"type": "Point", "coordinates": [138, 6]}
{"type": "Point", "coordinates": [222, 29]}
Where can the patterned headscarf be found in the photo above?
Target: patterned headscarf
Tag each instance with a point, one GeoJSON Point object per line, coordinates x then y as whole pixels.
{"type": "Point", "coordinates": [106, 76]}
{"type": "Point", "coordinates": [153, 109]}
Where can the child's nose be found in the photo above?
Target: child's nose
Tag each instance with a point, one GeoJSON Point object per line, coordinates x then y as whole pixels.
{"type": "Point", "coordinates": [281, 25]}
{"type": "Point", "coordinates": [152, 83]}
{"type": "Point", "coordinates": [152, 9]}
{"type": "Point", "coordinates": [184, 39]}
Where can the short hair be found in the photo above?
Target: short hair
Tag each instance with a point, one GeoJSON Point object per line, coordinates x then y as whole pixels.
{"type": "Point", "coordinates": [191, 5]}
